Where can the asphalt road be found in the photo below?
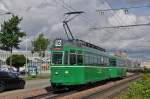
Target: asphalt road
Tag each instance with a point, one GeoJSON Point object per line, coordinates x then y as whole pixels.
{"type": "Point", "coordinates": [30, 84]}
{"type": "Point", "coordinates": [37, 83]}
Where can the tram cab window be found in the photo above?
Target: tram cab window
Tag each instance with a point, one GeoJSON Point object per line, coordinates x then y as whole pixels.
{"type": "Point", "coordinates": [57, 57]}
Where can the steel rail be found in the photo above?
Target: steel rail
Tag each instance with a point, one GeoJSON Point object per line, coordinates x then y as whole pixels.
{"type": "Point", "coordinates": [105, 90]}
{"type": "Point", "coordinates": [51, 93]}
{"type": "Point", "coordinates": [114, 90]}
{"type": "Point", "coordinates": [116, 86]}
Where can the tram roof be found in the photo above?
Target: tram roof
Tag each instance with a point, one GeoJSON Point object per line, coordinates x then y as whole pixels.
{"type": "Point", "coordinates": [81, 43]}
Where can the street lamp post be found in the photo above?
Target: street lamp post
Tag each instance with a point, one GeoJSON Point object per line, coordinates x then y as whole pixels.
{"type": "Point", "coordinates": [26, 56]}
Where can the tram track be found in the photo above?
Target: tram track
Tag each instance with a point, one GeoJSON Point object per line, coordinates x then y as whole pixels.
{"type": "Point", "coordinates": [113, 90]}
{"type": "Point", "coordinates": [49, 94]}
{"type": "Point", "coordinates": [109, 89]}
{"type": "Point", "coordinates": [53, 94]}
{"type": "Point", "coordinates": [90, 92]}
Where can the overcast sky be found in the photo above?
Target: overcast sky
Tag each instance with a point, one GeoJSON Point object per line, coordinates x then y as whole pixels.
{"type": "Point", "coordinates": [46, 16]}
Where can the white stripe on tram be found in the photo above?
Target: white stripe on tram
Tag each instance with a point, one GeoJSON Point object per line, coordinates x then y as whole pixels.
{"type": "Point", "coordinates": [88, 66]}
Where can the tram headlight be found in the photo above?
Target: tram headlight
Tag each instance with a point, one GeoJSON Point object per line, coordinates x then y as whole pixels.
{"type": "Point", "coordinates": [56, 73]}
{"type": "Point", "coordinates": [66, 72]}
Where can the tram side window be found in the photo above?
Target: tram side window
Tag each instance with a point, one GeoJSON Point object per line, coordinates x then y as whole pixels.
{"type": "Point", "coordinates": [66, 58]}
{"type": "Point", "coordinates": [72, 59]}
{"type": "Point", "coordinates": [94, 60]}
{"type": "Point", "coordinates": [112, 62]}
{"type": "Point", "coordinates": [98, 60]}
{"type": "Point", "coordinates": [102, 60]}
{"type": "Point", "coordinates": [87, 59]}
{"type": "Point", "coordinates": [120, 63]}
{"type": "Point", "coordinates": [107, 61]}
{"type": "Point", "coordinates": [79, 59]}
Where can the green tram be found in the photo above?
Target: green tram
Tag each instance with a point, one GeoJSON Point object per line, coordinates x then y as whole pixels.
{"type": "Point", "coordinates": [75, 62]}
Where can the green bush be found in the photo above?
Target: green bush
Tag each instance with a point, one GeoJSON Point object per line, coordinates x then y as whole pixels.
{"type": "Point", "coordinates": [16, 60]}
{"type": "Point", "coordinates": [146, 76]}
{"type": "Point", "coordinates": [146, 70]}
{"type": "Point", "coordinates": [139, 89]}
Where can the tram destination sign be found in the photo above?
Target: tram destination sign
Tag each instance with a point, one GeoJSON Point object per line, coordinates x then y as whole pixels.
{"type": "Point", "coordinates": [58, 43]}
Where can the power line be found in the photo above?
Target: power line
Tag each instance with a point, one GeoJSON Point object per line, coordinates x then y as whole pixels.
{"type": "Point", "coordinates": [125, 8]}
{"type": "Point", "coordinates": [133, 25]}
{"type": "Point", "coordinates": [118, 19]}
{"type": "Point", "coordinates": [62, 5]}
{"type": "Point", "coordinates": [133, 30]}
{"type": "Point", "coordinates": [86, 19]}
{"type": "Point", "coordinates": [69, 8]}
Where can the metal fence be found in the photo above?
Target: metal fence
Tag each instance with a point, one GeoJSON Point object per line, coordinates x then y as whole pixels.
{"type": "Point", "coordinates": [42, 67]}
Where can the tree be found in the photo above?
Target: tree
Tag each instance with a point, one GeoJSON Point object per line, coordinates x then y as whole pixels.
{"type": "Point", "coordinates": [17, 61]}
{"type": "Point", "coordinates": [11, 34]}
{"type": "Point", "coordinates": [40, 44]}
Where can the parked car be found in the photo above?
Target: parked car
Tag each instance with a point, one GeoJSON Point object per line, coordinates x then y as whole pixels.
{"type": "Point", "coordinates": [9, 69]}
{"type": "Point", "coordinates": [13, 71]}
{"type": "Point", "coordinates": [23, 72]}
{"type": "Point", "coordinates": [4, 68]}
{"type": "Point", "coordinates": [9, 80]}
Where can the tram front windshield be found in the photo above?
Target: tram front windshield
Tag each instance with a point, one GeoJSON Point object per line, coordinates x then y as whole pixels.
{"type": "Point", "coordinates": [57, 57]}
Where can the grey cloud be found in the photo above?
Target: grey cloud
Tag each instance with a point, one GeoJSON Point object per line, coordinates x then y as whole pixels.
{"type": "Point", "coordinates": [47, 15]}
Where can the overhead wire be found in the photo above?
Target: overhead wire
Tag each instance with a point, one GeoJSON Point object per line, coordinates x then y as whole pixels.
{"type": "Point", "coordinates": [130, 18]}
{"type": "Point", "coordinates": [117, 18]}
{"type": "Point", "coordinates": [69, 8]}
{"type": "Point", "coordinates": [132, 25]}
{"type": "Point", "coordinates": [133, 31]}
{"type": "Point", "coordinates": [136, 7]}
{"type": "Point", "coordinates": [109, 5]}
{"type": "Point", "coordinates": [123, 20]}
{"type": "Point", "coordinates": [86, 19]}
{"type": "Point", "coordinates": [62, 5]}
{"type": "Point", "coordinates": [72, 9]}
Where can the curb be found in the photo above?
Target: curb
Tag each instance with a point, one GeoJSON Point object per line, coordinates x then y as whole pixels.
{"type": "Point", "coordinates": [25, 93]}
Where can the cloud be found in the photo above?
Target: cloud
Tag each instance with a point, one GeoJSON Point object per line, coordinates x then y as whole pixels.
{"type": "Point", "coordinates": [47, 15]}
{"type": "Point", "coordinates": [3, 7]}
{"type": "Point", "coordinates": [120, 18]}
{"type": "Point", "coordinates": [136, 2]}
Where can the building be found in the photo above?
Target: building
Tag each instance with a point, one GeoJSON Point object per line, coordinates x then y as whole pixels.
{"type": "Point", "coordinates": [121, 53]}
{"type": "Point", "coordinates": [145, 64]}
